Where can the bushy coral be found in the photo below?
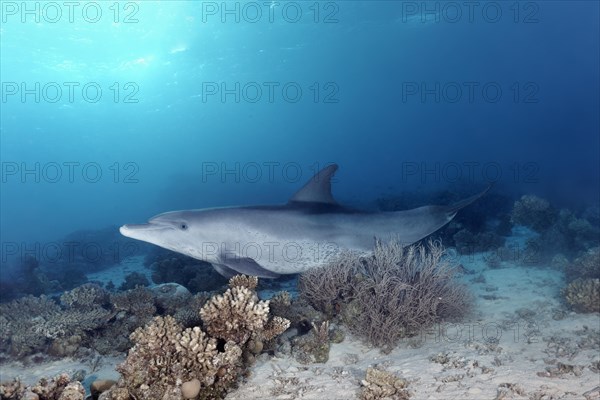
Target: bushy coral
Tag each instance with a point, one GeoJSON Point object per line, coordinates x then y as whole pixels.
{"type": "Point", "coordinates": [583, 295]}
{"type": "Point", "coordinates": [328, 288]}
{"type": "Point", "coordinates": [392, 294]}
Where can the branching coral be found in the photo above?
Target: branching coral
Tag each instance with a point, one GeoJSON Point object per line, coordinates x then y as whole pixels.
{"type": "Point", "coordinates": [58, 388]}
{"type": "Point", "coordinates": [138, 301]}
{"type": "Point", "coordinates": [583, 295]}
{"type": "Point", "coordinates": [195, 275]}
{"type": "Point", "coordinates": [390, 295]}
{"type": "Point", "coordinates": [313, 347]}
{"type": "Point", "coordinates": [19, 320]}
{"type": "Point", "coordinates": [33, 324]}
{"type": "Point", "coordinates": [153, 367]}
{"type": "Point", "coordinates": [170, 362]}
{"type": "Point", "coordinates": [237, 314]}
{"type": "Point", "coordinates": [379, 384]}
{"type": "Point", "coordinates": [84, 296]}
{"type": "Point", "coordinates": [584, 267]}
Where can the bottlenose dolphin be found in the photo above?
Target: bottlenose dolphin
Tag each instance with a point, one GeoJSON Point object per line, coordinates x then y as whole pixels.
{"type": "Point", "coordinates": [267, 241]}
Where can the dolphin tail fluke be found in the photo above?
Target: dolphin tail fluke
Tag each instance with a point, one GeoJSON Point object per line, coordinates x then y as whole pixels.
{"type": "Point", "coordinates": [454, 208]}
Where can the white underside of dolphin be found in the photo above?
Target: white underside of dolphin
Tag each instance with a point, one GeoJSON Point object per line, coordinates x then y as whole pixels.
{"type": "Point", "coordinates": [307, 232]}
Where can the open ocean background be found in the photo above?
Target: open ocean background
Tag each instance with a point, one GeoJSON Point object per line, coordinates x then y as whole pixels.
{"type": "Point", "coordinates": [353, 83]}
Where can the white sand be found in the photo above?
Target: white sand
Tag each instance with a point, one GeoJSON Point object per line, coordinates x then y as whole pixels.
{"type": "Point", "coordinates": [475, 368]}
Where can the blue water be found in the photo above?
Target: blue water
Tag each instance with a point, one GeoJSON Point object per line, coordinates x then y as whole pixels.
{"type": "Point", "coordinates": [385, 93]}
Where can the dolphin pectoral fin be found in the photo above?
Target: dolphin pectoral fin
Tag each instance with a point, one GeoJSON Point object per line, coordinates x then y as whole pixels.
{"type": "Point", "coordinates": [224, 270]}
{"type": "Point", "coordinates": [243, 265]}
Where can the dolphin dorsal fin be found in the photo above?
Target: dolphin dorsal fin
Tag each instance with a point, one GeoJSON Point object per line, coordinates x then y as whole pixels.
{"type": "Point", "coordinates": [318, 188]}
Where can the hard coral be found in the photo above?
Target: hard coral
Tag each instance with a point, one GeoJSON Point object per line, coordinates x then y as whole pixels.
{"type": "Point", "coordinates": [314, 346]}
{"type": "Point", "coordinates": [195, 275]}
{"type": "Point", "coordinates": [235, 314]}
{"type": "Point", "coordinates": [583, 295]}
{"type": "Point", "coordinates": [165, 356]}
{"type": "Point", "coordinates": [60, 387]}
{"type": "Point", "coordinates": [468, 243]}
{"type": "Point", "coordinates": [133, 280]}
{"type": "Point", "coordinates": [29, 324]}
{"type": "Point", "coordinates": [534, 212]}
{"type": "Point", "coordinates": [170, 362]}
{"type": "Point", "coordinates": [380, 384]}
{"type": "Point", "coordinates": [84, 296]}
{"type": "Point", "coordinates": [584, 267]}
{"type": "Point", "coordinates": [138, 301]}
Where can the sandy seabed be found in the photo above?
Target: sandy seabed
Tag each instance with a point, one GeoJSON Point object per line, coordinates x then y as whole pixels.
{"type": "Point", "coordinates": [519, 343]}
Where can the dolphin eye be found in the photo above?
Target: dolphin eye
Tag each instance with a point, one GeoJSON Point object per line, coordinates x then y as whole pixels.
{"type": "Point", "coordinates": [183, 226]}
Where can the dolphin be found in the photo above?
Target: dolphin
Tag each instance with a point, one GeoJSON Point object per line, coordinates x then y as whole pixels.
{"type": "Point", "coordinates": [268, 241]}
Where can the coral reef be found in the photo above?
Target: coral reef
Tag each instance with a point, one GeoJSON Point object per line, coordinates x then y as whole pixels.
{"type": "Point", "coordinates": [392, 294]}
{"type": "Point", "coordinates": [60, 387]}
{"type": "Point", "coordinates": [328, 288]}
{"type": "Point", "coordinates": [87, 317]}
{"type": "Point", "coordinates": [469, 243]}
{"type": "Point", "coordinates": [170, 362]}
{"type": "Point", "coordinates": [170, 298]}
{"type": "Point", "coordinates": [32, 324]}
{"type": "Point", "coordinates": [584, 267]}
{"type": "Point", "coordinates": [138, 302]}
{"type": "Point", "coordinates": [133, 280]}
{"type": "Point", "coordinates": [100, 386]}
{"type": "Point", "coordinates": [189, 316]}
{"type": "Point", "coordinates": [314, 346]}
{"type": "Point", "coordinates": [583, 295]}
{"type": "Point", "coordinates": [560, 231]}
{"type": "Point", "coordinates": [196, 276]}
{"type": "Point", "coordinates": [85, 296]}
{"type": "Point", "coordinates": [534, 212]}
{"type": "Point", "coordinates": [379, 384]}
{"type": "Point", "coordinates": [166, 356]}
{"type": "Point", "coordinates": [582, 292]}
{"type": "Point", "coordinates": [236, 314]}
{"type": "Point", "coordinates": [24, 278]}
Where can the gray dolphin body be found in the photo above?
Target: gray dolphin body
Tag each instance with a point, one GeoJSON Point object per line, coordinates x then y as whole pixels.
{"type": "Point", "coordinates": [267, 241]}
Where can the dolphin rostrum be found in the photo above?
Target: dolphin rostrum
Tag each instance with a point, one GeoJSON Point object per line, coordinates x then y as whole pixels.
{"type": "Point", "coordinates": [267, 241]}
